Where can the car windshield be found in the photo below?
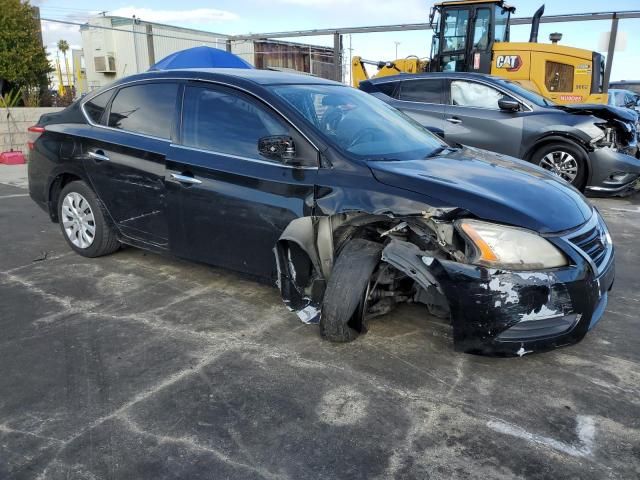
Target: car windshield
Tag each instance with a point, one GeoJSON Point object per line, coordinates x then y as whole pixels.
{"type": "Point", "coordinates": [359, 123]}
{"type": "Point", "coordinates": [533, 97]}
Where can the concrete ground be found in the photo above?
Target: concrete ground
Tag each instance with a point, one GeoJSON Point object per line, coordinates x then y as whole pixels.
{"type": "Point", "coordinates": [138, 366]}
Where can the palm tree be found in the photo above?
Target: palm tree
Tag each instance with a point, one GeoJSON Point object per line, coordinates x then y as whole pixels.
{"type": "Point", "coordinates": [63, 46]}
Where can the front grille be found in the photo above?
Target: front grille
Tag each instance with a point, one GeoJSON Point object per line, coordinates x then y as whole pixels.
{"type": "Point", "coordinates": [593, 242]}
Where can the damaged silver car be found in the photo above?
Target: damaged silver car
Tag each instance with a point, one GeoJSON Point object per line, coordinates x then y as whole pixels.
{"type": "Point", "coordinates": [344, 202]}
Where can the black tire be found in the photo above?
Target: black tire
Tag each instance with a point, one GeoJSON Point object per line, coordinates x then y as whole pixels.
{"type": "Point", "coordinates": [105, 240]}
{"type": "Point", "coordinates": [555, 148]}
{"type": "Point", "coordinates": [342, 307]}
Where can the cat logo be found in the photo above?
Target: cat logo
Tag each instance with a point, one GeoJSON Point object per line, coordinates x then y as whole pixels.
{"type": "Point", "coordinates": [511, 63]}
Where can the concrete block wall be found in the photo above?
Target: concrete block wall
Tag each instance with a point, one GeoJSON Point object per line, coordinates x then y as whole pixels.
{"type": "Point", "coordinates": [20, 119]}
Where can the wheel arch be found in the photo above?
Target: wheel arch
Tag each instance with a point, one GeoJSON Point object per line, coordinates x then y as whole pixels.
{"type": "Point", "coordinates": [56, 183]}
{"type": "Point", "coordinates": [561, 137]}
{"type": "Point", "coordinates": [320, 239]}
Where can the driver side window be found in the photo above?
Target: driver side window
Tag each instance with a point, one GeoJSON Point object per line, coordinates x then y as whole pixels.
{"type": "Point", "coordinates": [477, 95]}
{"type": "Point", "coordinates": [224, 121]}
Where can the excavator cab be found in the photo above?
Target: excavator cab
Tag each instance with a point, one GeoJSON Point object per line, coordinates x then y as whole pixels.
{"type": "Point", "coordinates": [465, 32]}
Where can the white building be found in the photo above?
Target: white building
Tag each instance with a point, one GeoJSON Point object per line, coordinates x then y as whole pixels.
{"type": "Point", "coordinates": [129, 46]}
{"type": "Point", "coordinates": [115, 47]}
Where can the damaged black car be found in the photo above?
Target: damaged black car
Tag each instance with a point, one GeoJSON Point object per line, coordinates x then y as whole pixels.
{"type": "Point", "coordinates": [346, 204]}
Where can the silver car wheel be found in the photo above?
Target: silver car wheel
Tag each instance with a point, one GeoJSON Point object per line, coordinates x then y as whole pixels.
{"type": "Point", "coordinates": [562, 164]}
{"type": "Point", "coordinates": [77, 220]}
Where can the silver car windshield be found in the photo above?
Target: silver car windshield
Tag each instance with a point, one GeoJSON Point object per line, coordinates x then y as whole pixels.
{"type": "Point", "coordinates": [359, 123]}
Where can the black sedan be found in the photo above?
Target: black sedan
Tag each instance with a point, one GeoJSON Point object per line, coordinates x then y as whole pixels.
{"type": "Point", "coordinates": [343, 202]}
{"type": "Point", "coordinates": [593, 147]}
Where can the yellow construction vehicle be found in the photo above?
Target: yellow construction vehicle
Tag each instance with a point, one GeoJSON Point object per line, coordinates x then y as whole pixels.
{"type": "Point", "coordinates": [473, 36]}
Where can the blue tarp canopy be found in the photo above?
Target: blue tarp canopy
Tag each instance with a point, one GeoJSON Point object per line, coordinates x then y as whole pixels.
{"type": "Point", "coordinates": [201, 57]}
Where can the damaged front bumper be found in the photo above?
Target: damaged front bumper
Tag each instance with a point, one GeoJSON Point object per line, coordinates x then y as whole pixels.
{"type": "Point", "coordinates": [514, 313]}
{"type": "Point", "coordinates": [500, 312]}
{"type": "Point", "coordinates": [614, 172]}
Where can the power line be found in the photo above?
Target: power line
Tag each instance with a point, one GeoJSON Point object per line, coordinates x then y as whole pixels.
{"type": "Point", "coordinates": [217, 39]}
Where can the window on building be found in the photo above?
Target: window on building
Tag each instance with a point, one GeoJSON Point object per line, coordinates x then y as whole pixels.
{"type": "Point", "coordinates": [96, 106]}
{"type": "Point", "coordinates": [426, 91]}
{"type": "Point", "coordinates": [558, 77]}
{"type": "Point", "coordinates": [147, 108]}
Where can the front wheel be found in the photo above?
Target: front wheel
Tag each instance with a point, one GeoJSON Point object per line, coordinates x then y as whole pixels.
{"type": "Point", "coordinates": [344, 306]}
{"type": "Point", "coordinates": [564, 160]}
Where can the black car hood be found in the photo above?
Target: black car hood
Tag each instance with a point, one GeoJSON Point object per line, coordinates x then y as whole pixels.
{"type": "Point", "coordinates": [492, 187]}
{"type": "Point", "coordinates": [606, 112]}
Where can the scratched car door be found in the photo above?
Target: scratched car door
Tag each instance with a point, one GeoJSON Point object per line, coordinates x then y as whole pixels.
{"type": "Point", "coordinates": [124, 156]}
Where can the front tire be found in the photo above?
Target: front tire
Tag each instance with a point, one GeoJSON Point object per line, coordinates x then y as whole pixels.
{"type": "Point", "coordinates": [83, 221]}
{"type": "Point", "coordinates": [343, 307]}
{"type": "Point", "coordinates": [564, 160]}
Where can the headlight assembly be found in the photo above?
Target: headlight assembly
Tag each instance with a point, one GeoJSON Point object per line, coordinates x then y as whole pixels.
{"type": "Point", "coordinates": [510, 248]}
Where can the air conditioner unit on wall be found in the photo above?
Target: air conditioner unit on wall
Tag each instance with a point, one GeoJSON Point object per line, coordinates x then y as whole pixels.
{"type": "Point", "coordinates": [105, 64]}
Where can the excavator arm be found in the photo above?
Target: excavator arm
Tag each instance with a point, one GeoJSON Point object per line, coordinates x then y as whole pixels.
{"type": "Point", "coordinates": [394, 67]}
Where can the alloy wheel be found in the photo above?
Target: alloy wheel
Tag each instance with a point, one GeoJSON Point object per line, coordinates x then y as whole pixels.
{"type": "Point", "coordinates": [562, 164]}
{"type": "Point", "coordinates": [78, 220]}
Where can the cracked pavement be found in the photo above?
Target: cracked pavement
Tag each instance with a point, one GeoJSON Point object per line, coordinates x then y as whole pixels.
{"type": "Point", "coordinates": [140, 366]}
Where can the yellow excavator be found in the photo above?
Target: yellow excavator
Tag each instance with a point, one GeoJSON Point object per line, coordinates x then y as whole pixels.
{"type": "Point", "coordinates": [473, 36]}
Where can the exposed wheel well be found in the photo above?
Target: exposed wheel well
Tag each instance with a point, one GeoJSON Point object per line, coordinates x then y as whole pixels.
{"type": "Point", "coordinates": [54, 192]}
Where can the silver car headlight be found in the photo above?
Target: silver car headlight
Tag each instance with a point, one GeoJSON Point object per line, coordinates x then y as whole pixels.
{"type": "Point", "coordinates": [509, 248]}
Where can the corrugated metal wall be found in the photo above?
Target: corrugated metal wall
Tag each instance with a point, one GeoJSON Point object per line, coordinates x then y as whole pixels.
{"type": "Point", "coordinates": [303, 58]}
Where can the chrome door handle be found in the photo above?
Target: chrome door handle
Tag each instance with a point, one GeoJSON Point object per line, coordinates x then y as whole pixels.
{"type": "Point", "coordinates": [185, 179]}
{"type": "Point", "coordinates": [454, 120]}
{"type": "Point", "coordinates": [99, 156]}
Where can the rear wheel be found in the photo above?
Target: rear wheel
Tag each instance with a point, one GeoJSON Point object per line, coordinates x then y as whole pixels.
{"type": "Point", "coordinates": [565, 160]}
{"type": "Point", "coordinates": [83, 223]}
{"type": "Point", "coordinates": [346, 296]}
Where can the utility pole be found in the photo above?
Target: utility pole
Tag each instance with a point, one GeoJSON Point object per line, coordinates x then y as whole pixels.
{"type": "Point", "coordinates": [134, 21]}
{"type": "Point", "coordinates": [350, 55]}
{"type": "Point", "coordinates": [612, 50]}
{"type": "Point", "coordinates": [397, 43]}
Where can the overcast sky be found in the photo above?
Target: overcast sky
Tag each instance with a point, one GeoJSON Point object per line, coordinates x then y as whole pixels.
{"type": "Point", "coordinates": [257, 16]}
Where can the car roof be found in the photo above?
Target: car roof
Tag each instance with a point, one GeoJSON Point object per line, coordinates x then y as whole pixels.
{"type": "Point", "coordinates": [261, 77]}
{"type": "Point", "coordinates": [400, 76]}
{"type": "Point", "coordinates": [624, 90]}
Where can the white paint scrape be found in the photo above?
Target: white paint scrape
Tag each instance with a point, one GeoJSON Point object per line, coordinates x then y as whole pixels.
{"type": "Point", "coordinates": [511, 296]}
{"type": "Point", "coordinates": [545, 312]}
{"type": "Point", "coordinates": [585, 431]}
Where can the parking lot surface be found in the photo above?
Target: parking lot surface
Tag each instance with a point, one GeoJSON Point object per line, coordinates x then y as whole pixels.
{"type": "Point", "coordinates": [140, 366]}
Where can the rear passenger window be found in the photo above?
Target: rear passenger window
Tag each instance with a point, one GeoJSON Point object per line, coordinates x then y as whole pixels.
{"type": "Point", "coordinates": [388, 88]}
{"type": "Point", "coordinates": [148, 108]}
{"type": "Point", "coordinates": [426, 91]}
{"type": "Point", "coordinates": [94, 108]}
{"type": "Point", "coordinates": [224, 121]}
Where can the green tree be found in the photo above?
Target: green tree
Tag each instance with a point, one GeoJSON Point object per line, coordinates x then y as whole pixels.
{"type": "Point", "coordinates": [63, 46]}
{"type": "Point", "coordinates": [23, 59]}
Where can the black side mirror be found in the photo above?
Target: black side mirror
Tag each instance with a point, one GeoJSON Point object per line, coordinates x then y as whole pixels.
{"type": "Point", "coordinates": [509, 104]}
{"type": "Point", "coordinates": [277, 147]}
